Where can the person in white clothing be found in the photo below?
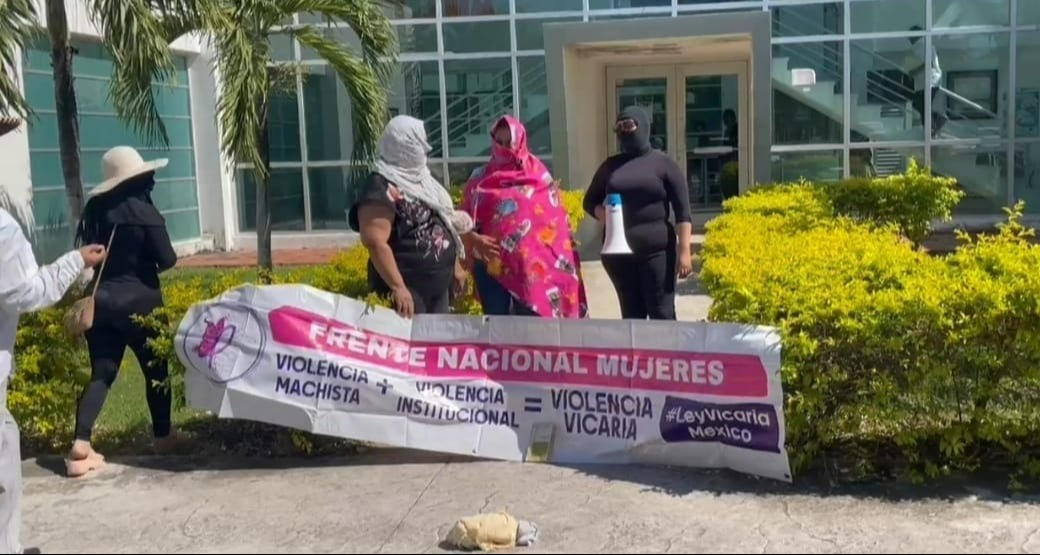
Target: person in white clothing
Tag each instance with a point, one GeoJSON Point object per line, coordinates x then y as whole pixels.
{"type": "Point", "coordinates": [927, 76]}
{"type": "Point", "coordinates": [24, 287]}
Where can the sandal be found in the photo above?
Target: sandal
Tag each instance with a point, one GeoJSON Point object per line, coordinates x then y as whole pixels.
{"type": "Point", "coordinates": [83, 468]}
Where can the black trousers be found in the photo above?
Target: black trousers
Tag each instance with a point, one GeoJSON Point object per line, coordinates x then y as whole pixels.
{"type": "Point", "coordinates": [431, 304]}
{"type": "Point", "coordinates": [645, 284]}
{"type": "Point", "coordinates": [107, 344]}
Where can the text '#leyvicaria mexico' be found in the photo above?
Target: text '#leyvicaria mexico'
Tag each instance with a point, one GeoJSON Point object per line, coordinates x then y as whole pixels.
{"type": "Point", "coordinates": [715, 374]}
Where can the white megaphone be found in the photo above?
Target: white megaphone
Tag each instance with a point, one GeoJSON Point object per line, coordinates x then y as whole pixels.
{"type": "Point", "coordinates": [614, 241]}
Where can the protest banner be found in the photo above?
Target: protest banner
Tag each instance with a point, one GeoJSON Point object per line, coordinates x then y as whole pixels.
{"type": "Point", "coordinates": [513, 388]}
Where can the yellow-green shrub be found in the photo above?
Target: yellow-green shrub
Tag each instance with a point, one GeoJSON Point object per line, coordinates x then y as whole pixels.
{"type": "Point", "coordinates": [892, 361]}
{"type": "Point", "coordinates": [44, 389]}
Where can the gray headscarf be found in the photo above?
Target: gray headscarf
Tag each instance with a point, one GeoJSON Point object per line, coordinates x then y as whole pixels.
{"type": "Point", "coordinates": [402, 152]}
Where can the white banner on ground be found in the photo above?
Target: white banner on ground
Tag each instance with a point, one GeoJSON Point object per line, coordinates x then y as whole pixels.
{"type": "Point", "coordinates": [513, 388]}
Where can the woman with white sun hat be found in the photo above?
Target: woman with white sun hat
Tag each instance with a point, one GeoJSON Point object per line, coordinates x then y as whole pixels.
{"type": "Point", "coordinates": [121, 213]}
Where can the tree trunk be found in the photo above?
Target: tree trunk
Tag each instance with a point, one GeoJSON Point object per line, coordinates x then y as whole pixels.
{"type": "Point", "coordinates": [264, 256]}
{"type": "Point", "coordinates": [65, 108]}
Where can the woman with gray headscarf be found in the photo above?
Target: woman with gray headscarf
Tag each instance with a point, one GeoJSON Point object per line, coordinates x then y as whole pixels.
{"type": "Point", "coordinates": [410, 227]}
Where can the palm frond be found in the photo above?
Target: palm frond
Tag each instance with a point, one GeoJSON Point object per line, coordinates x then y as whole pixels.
{"type": "Point", "coordinates": [363, 83]}
{"type": "Point", "coordinates": [137, 34]}
{"type": "Point", "coordinates": [366, 18]}
{"type": "Point", "coordinates": [17, 26]}
{"type": "Point", "coordinates": [242, 55]}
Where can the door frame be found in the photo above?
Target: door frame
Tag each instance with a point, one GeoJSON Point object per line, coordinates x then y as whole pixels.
{"type": "Point", "coordinates": [675, 105]}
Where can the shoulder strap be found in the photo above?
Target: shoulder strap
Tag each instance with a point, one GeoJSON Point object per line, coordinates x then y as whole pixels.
{"type": "Point", "coordinates": [108, 252]}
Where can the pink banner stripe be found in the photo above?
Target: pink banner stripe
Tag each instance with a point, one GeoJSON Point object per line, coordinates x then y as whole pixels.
{"type": "Point", "coordinates": [682, 372]}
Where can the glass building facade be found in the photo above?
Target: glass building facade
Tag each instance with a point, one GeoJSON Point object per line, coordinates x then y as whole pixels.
{"type": "Point", "coordinates": [848, 93]}
{"type": "Point", "coordinates": [100, 128]}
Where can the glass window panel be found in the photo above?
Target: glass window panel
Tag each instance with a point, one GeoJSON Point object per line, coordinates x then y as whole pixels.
{"type": "Point", "coordinates": [622, 4]}
{"type": "Point", "coordinates": [534, 104]}
{"type": "Point", "coordinates": [183, 225]}
{"type": "Point", "coordinates": [398, 9]}
{"type": "Point", "coordinates": [478, 92]}
{"type": "Point", "coordinates": [540, 6]}
{"type": "Point", "coordinates": [882, 161]}
{"type": "Point", "coordinates": [712, 134]}
{"type": "Point", "coordinates": [482, 36]}
{"type": "Point", "coordinates": [1028, 12]}
{"type": "Point", "coordinates": [175, 194]}
{"type": "Point", "coordinates": [821, 167]}
{"type": "Point", "coordinates": [287, 212]}
{"type": "Point", "coordinates": [284, 127]}
{"type": "Point", "coordinates": [39, 89]}
{"type": "Point", "coordinates": [92, 60]}
{"type": "Point", "coordinates": [415, 91]}
{"type": "Point", "coordinates": [975, 70]}
{"type": "Point", "coordinates": [464, 8]}
{"type": "Point", "coordinates": [884, 90]}
{"type": "Point", "coordinates": [330, 134]}
{"type": "Point", "coordinates": [644, 15]}
{"type": "Point", "coordinates": [980, 171]}
{"type": "Point", "coordinates": [50, 209]}
{"type": "Point", "coordinates": [1027, 176]}
{"type": "Point", "coordinates": [808, 107]}
{"type": "Point", "coordinates": [417, 38]}
{"type": "Point", "coordinates": [1027, 99]}
{"type": "Point", "coordinates": [968, 13]}
{"type": "Point", "coordinates": [887, 16]}
{"type": "Point", "coordinates": [808, 19]}
{"type": "Point", "coordinates": [529, 32]}
{"type": "Point", "coordinates": [282, 48]}
{"type": "Point", "coordinates": [329, 197]}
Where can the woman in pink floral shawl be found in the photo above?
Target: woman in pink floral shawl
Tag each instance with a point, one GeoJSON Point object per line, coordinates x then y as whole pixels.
{"type": "Point", "coordinates": [515, 202]}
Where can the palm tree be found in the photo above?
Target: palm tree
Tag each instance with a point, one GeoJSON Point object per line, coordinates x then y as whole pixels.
{"type": "Point", "coordinates": [240, 32]}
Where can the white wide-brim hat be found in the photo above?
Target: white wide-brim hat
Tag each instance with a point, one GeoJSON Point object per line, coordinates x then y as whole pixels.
{"type": "Point", "coordinates": [121, 164]}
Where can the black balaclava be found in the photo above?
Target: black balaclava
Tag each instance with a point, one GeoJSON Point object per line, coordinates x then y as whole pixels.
{"type": "Point", "coordinates": [637, 142]}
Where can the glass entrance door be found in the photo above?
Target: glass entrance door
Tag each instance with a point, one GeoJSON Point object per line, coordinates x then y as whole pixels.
{"type": "Point", "coordinates": [714, 131]}
{"type": "Point", "coordinates": [698, 115]}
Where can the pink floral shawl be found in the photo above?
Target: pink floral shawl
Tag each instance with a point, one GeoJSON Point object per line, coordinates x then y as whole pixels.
{"type": "Point", "coordinates": [515, 200]}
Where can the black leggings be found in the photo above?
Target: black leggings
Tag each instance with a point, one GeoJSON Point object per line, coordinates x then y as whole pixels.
{"type": "Point", "coordinates": [107, 345]}
{"type": "Point", "coordinates": [645, 284]}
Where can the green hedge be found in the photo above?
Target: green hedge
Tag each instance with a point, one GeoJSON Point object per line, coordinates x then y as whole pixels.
{"type": "Point", "coordinates": [894, 362]}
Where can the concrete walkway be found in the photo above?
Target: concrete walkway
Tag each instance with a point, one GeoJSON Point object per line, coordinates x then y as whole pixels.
{"type": "Point", "coordinates": [403, 502]}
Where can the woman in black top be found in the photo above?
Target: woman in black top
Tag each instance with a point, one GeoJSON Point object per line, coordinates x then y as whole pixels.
{"type": "Point", "coordinates": [652, 187]}
{"type": "Point", "coordinates": [121, 212]}
{"type": "Point", "coordinates": [409, 225]}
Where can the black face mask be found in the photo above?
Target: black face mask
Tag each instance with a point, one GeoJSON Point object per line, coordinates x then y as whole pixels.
{"type": "Point", "coordinates": [638, 141]}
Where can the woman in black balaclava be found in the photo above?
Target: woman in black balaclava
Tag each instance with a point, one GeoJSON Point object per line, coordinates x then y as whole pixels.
{"type": "Point", "coordinates": [652, 188]}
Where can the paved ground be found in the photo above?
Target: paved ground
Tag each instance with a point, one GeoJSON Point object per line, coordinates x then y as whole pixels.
{"type": "Point", "coordinates": [394, 502]}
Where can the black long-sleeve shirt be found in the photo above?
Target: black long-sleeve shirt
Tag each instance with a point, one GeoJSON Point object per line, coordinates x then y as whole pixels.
{"type": "Point", "coordinates": [652, 187]}
{"type": "Point", "coordinates": [141, 250]}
